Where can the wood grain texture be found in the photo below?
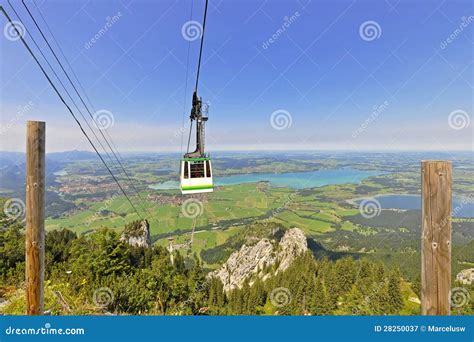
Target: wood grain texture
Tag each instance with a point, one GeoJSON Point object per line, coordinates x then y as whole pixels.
{"type": "Point", "coordinates": [35, 183]}
{"type": "Point", "coordinates": [436, 237]}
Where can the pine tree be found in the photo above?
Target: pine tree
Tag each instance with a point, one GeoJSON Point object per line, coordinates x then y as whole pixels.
{"type": "Point", "coordinates": [319, 301]}
{"type": "Point", "coordinates": [394, 292]}
{"type": "Point", "coordinates": [354, 303]}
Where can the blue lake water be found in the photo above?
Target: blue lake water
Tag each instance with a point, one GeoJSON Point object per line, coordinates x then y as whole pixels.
{"type": "Point", "coordinates": [462, 207]}
{"type": "Point", "coordinates": [295, 180]}
{"type": "Point", "coordinates": [60, 173]}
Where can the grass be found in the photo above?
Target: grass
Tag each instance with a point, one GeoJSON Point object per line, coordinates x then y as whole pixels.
{"type": "Point", "coordinates": [310, 226]}
{"type": "Point", "coordinates": [227, 203]}
{"type": "Point", "coordinates": [202, 240]}
{"type": "Point", "coordinates": [410, 307]}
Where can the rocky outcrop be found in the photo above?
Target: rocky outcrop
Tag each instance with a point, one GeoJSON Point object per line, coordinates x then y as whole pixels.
{"type": "Point", "coordinates": [253, 260]}
{"type": "Point", "coordinates": [292, 244]}
{"type": "Point", "coordinates": [137, 234]}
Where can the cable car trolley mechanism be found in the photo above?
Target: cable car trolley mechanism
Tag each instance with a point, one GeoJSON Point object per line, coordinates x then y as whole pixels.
{"type": "Point", "coordinates": [196, 167]}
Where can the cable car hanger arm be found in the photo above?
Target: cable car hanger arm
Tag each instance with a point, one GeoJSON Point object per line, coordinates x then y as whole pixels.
{"type": "Point", "coordinates": [196, 110]}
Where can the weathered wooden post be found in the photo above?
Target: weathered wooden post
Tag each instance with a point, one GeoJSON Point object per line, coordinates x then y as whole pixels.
{"type": "Point", "coordinates": [436, 237]}
{"type": "Point", "coordinates": [35, 183]}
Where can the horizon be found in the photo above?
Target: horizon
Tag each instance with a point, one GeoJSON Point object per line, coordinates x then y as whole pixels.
{"type": "Point", "coordinates": [335, 78]}
{"type": "Point", "coordinates": [260, 151]}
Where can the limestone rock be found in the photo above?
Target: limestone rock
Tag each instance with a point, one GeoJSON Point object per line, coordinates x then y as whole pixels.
{"type": "Point", "coordinates": [137, 234]}
{"type": "Point", "coordinates": [252, 260]}
{"type": "Point", "coordinates": [292, 245]}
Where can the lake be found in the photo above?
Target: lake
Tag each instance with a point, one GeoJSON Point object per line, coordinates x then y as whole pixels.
{"type": "Point", "coordinates": [294, 180]}
{"type": "Point", "coordinates": [60, 173]}
{"type": "Point", "coordinates": [462, 207]}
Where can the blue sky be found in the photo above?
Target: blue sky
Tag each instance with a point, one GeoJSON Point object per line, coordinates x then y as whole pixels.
{"type": "Point", "coordinates": [333, 85]}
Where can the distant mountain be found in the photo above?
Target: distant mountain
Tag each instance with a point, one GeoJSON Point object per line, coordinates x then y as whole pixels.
{"type": "Point", "coordinates": [69, 156]}
{"type": "Point", "coordinates": [12, 176]}
{"type": "Point", "coordinates": [11, 158]}
{"type": "Point", "coordinates": [13, 168]}
{"type": "Point", "coordinates": [17, 158]}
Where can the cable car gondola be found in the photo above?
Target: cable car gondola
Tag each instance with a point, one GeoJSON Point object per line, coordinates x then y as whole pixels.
{"type": "Point", "coordinates": [196, 167]}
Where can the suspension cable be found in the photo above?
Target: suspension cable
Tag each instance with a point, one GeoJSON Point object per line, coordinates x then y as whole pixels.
{"type": "Point", "coordinates": [202, 43]}
{"type": "Point", "coordinates": [67, 106]}
{"type": "Point", "coordinates": [60, 82]}
{"type": "Point", "coordinates": [186, 86]}
{"type": "Point", "coordinates": [78, 94]}
{"type": "Point", "coordinates": [189, 136]}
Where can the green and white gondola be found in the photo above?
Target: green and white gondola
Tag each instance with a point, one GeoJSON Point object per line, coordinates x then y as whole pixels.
{"type": "Point", "coordinates": [196, 175]}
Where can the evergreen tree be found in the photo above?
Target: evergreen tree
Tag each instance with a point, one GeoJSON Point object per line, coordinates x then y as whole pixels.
{"type": "Point", "coordinates": [319, 301]}
{"type": "Point", "coordinates": [394, 292]}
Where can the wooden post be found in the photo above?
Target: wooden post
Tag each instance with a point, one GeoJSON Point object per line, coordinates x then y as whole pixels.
{"type": "Point", "coordinates": [35, 179]}
{"type": "Point", "coordinates": [436, 237]}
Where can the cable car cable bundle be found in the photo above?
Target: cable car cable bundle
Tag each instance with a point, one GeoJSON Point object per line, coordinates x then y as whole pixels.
{"type": "Point", "coordinates": [114, 153]}
{"type": "Point", "coordinates": [61, 97]}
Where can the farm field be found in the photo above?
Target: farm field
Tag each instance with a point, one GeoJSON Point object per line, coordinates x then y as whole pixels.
{"type": "Point", "coordinates": [83, 199]}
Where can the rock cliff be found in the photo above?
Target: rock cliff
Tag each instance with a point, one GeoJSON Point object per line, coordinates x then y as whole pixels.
{"type": "Point", "coordinates": [137, 234]}
{"type": "Point", "coordinates": [253, 260]}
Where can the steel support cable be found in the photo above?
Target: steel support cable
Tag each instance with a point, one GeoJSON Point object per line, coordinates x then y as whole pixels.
{"type": "Point", "coordinates": [184, 104]}
{"type": "Point", "coordinates": [199, 65]}
{"type": "Point", "coordinates": [200, 49]}
{"type": "Point", "coordinates": [79, 95]}
{"type": "Point", "coordinates": [186, 84]}
{"type": "Point", "coordinates": [67, 106]}
{"type": "Point", "coordinates": [74, 74]}
{"type": "Point", "coordinates": [60, 82]}
{"type": "Point", "coordinates": [189, 136]}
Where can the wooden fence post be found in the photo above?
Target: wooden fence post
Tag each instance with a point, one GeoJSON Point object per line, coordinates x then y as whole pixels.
{"type": "Point", "coordinates": [436, 237]}
{"type": "Point", "coordinates": [35, 183]}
